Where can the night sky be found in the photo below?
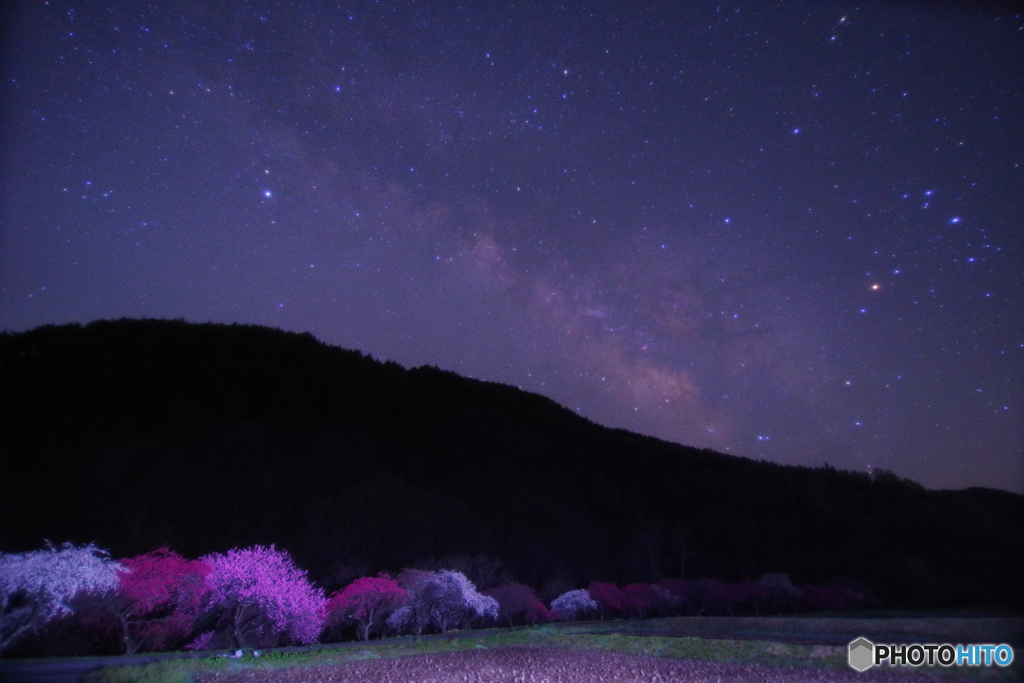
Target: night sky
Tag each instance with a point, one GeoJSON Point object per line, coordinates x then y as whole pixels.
{"type": "Point", "coordinates": [789, 231]}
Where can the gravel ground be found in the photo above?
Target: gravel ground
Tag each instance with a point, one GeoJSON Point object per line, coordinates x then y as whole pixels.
{"type": "Point", "coordinates": [537, 665]}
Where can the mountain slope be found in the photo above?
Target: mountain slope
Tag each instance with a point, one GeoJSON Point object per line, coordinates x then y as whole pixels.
{"type": "Point", "coordinates": [142, 433]}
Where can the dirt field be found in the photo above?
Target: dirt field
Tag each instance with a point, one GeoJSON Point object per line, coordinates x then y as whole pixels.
{"type": "Point", "coordinates": [526, 664]}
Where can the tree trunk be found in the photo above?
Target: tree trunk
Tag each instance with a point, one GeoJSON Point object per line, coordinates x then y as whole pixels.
{"type": "Point", "coordinates": [365, 626]}
{"type": "Point", "coordinates": [237, 625]}
{"type": "Point", "coordinates": [131, 646]}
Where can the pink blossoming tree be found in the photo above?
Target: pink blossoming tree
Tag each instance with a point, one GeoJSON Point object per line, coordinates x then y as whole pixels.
{"type": "Point", "coordinates": [518, 604]}
{"type": "Point", "coordinates": [157, 600]}
{"type": "Point", "coordinates": [258, 597]}
{"type": "Point", "coordinates": [367, 602]}
{"type": "Point", "coordinates": [646, 599]}
{"type": "Point", "coordinates": [609, 598]}
{"type": "Point", "coordinates": [710, 596]}
{"type": "Point", "coordinates": [677, 589]}
{"type": "Point", "coordinates": [39, 586]}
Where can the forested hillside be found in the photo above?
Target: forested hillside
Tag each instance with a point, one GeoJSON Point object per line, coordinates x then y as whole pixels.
{"type": "Point", "coordinates": [139, 434]}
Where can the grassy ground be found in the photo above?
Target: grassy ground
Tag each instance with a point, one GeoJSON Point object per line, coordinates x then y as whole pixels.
{"type": "Point", "coordinates": [577, 638]}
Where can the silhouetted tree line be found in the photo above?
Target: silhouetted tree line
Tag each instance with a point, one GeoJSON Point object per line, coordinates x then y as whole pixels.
{"type": "Point", "coordinates": [154, 433]}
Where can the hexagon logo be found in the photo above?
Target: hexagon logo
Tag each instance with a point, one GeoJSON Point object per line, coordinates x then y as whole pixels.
{"type": "Point", "coordinates": [862, 654]}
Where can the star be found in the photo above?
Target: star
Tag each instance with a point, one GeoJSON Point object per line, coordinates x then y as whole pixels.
{"type": "Point", "coordinates": [473, 214]}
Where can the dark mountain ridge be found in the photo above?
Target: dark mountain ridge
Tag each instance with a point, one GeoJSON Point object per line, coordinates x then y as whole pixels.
{"type": "Point", "coordinates": [144, 433]}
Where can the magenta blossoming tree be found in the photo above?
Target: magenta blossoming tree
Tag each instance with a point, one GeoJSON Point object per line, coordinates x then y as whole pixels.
{"type": "Point", "coordinates": [158, 599]}
{"type": "Point", "coordinates": [609, 598]}
{"type": "Point", "coordinates": [39, 586]}
{"type": "Point", "coordinates": [258, 597]}
{"type": "Point", "coordinates": [646, 599]}
{"type": "Point", "coordinates": [677, 590]}
{"type": "Point", "coordinates": [567, 605]}
{"type": "Point", "coordinates": [711, 596]}
{"type": "Point", "coordinates": [367, 601]}
{"type": "Point", "coordinates": [518, 604]}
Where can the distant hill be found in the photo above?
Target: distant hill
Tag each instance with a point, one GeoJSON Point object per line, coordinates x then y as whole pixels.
{"type": "Point", "coordinates": [144, 433]}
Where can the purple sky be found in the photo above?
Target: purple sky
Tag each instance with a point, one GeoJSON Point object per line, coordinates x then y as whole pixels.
{"type": "Point", "coordinates": [786, 231]}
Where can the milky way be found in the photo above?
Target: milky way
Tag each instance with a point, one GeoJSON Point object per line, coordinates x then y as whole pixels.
{"type": "Point", "coordinates": [785, 231]}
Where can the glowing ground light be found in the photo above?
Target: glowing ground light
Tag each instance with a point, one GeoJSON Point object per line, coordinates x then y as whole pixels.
{"type": "Point", "coordinates": [268, 194]}
{"type": "Point", "coordinates": [875, 288]}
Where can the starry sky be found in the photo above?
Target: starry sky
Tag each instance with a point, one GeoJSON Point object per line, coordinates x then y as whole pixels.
{"type": "Point", "coordinates": [785, 230]}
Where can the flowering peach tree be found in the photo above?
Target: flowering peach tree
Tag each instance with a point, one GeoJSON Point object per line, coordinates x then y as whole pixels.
{"type": "Point", "coordinates": [158, 599]}
{"type": "Point", "coordinates": [567, 605]}
{"type": "Point", "coordinates": [445, 599]}
{"type": "Point", "coordinates": [518, 604]}
{"type": "Point", "coordinates": [644, 599]}
{"type": "Point", "coordinates": [258, 597]}
{"type": "Point", "coordinates": [39, 586]}
{"type": "Point", "coordinates": [367, 601]}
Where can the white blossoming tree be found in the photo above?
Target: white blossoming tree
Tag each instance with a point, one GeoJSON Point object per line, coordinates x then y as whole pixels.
{"type": "Point", "coordinates": [567, 605]}
{"type": "Point", "coordinates": [446, 599]}
{"type": "Point", "coordinates": [39, 586]}
{"type": "Point", "coordinates": [460, 601]}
